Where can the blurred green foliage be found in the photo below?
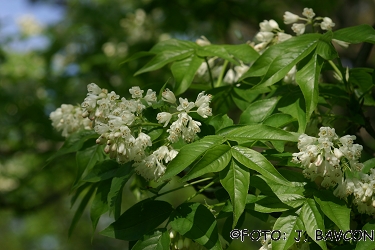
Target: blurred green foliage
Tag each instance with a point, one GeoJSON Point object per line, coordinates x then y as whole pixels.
{"type": "Point", "coordinates": [89, 45]}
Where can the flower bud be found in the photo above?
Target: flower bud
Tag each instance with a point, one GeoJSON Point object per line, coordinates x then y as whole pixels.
{"type": "Point", "coordinates": [290, 17]}
{"type": "Point", "coordinates": [327, 24]}
{"type": "Point", "coordinates": [168, 96]}
{"type": "Point", "coordinates": [298, 28]}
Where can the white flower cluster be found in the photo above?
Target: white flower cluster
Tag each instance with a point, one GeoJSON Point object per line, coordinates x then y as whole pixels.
{"type": "Point", "coordinates": [69, 119]}
{"type": "Point", "coordinates": [269, 34]}
{"type": "Point", "coordinates": [184, 127]}
{"type": "Point", "coordinates": [326, 23]}
{"type": "Point", "coordinates": [120, 123]}
{"type": "Point", "coordinates": [335, 161]}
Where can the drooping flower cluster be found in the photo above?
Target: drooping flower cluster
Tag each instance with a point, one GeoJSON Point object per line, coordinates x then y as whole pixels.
{"type": "Point", "coordinates": [185, 126]}
{"type": "Point", "coordinates": [335, 161]}
{"type": "Point", "coordinates": [270, 33]}
{"type": "Point", "coordinates": [69, 119]}
{"type": "Point", "coordinates": [326, 23]}
{"type": "Point", "coordinates": [121, 124]}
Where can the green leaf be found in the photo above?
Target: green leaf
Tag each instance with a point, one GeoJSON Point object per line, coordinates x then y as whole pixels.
{"type": "Point", "coordinates": [289, 224]}
{"type": "Point", "coordinates": [296, 112]}
{"type": "Point", "coordinates": [74, 143]}
{"type": "Point", "coordinates": [117, 184]}
{"type": "Point", "coordinates": [158, 239]}
{"type": "Point", "coordinates": [366, 243]}
{"type": "Point", "coordinates": [81, 208]}
{"type": "Point", "coordinates": [313, 220]}
{"type": "Point", "coordinates": [243, 52]}
{"type": "Point", "coordinates": [137, 56]}
{"type": "Point", "coordinates": [278, 120]}
{"type": "Point", "coordinates": [189, 153]}
{"type": "Point", "coordinates": [334, 208]}
{"type": "Point", "coordinates": [86, 159]}
{"type": "Point", "coordinates": [220, 122]}
{"type": "Point", "coordinates": [164, 58]}
{"type": "Point", "coordinates": [265, 204]}
{"type": "Point", "coordinates": [256, 161]}
{"type": "Point", "coordinates": [257, 111]}
{"type": "Point", "coordinates": [196, 222]}
{"type": "Point", "coordinates": [184, 71]}
{"type": "Point", "coordinates": [102, 171]}
{"type": "Point", "coordinates": [260, 132]}
{"type": "Point", "coordinates": [235, 178]}
{"type": "Point", "coordinates": [214, 160]}
{"type": "Point", "coordinates": [292, 195]}
{"type": "Point", "coordinates": [279, 59]}
{"type": "Point", "coordinates": [173, 44]}
{"type": "Point", "coordinates": [308, 80]}
{"type": "Point", "coordinates": [139, 220]}
{"type": "Point", "coordinates": [369, 164]}
{"type": "Point", "coordinates": [325, 48]}
{"type": "Point", "coordinates": [356, 34]}
{"type": "Point", "coordinates": [215, 50]}
{"type": "Point", "coordinates": [100, 204]}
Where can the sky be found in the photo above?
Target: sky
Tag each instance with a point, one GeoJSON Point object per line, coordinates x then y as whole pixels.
{"type": "Point", "coordinates": [12, 10]}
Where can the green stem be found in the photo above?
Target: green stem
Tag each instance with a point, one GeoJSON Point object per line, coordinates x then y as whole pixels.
{"type": "Point", "coordinates": [200, 191]}
{"type": "Point", "coordinates": [336, 69]}
{"type": "Point", "coordinates": [184, 186]}
{"type": "Point", "coordinates": [220, 79]}
{"type": "Point", "coordinates": [209, 73]}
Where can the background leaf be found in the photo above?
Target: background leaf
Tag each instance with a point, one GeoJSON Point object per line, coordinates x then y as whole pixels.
{"type": "Point", "coordinates": [236, 180]}
{"type": "Point", "coordinates": [313, 220]}
{"type": "Point", "coordinates": [184, 71]}
{"type": "Point", "coordinates": [189, 153]}
{"type": "Point", "coordinates": [356, 34]}
{"type": "Point", "coordinates": [158, 239]}
{"type": "Point", "coordinates": [334, 208]}
{"type": "Point", "coordinates": [196, 222]}
{"type": "Point", "coordinates": [257, 111]}
{"type": "Point", "coordinates": [214, 160]}
{"type": "Point", "coordinates": [256, 161]}
{"type": "Point", "coordinates": [139, 220]}
{"type": "Point", "coordinates": [308, 80]}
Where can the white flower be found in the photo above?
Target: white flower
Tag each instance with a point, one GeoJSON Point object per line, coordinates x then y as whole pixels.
{"type": "Point", "coordinates": [290, 77]}
{"type": "Point", "coordinates": [230, 76]}
{"type": "Point", "coordinates": [136, 92]}
{"type": "Point", "coordinates": [204, 110]}
{"type": "Point", "coordinates": [308, 12]}
{"type": "Point", "coordinates": [281, 37]}
{"type": "Point", "coordinates": [68, 119]}
{"type": "Point", "coordinates": [290, 17]}
{"type": "Point", "coordinates": [185, 105]}
{"type": "Point", "coordinates": [171, 155]}
{"type": "Point", "coordinates": [168, 96]}
{"type": "Point", "coordinates": [240, 70]}
{"type": "Point", "coordinates": [268, 25]}
{"type": "Point", "coordinates": [298, 28]}
{"type": "Point", "coordinates": [341, 43]}
{"type": "Point", "coordinates": [164, 117]}
{"type": "Point", "coordinates": [202, 41]}
{"type": "Point", "coordinates": [202, 98]}
{"type": "Point", "coordinates": [144, 140]}
{"type": "Point", "coordinates": [327, 24]}
{"type": "Point", "coordinates": [260, 46]}
{"type": "Point", "coordinates": [94, 89]}
{"type": "Point", "coordinates": [347, 140]}
{"type": "Point", "coordinates": [264, 36]}
{"type": "Point", "coordinates": [338, 153]}
{"type": "Point", "coordinates": [327, 132]}
{"type": "Point", "coordinates": [150, 96]}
